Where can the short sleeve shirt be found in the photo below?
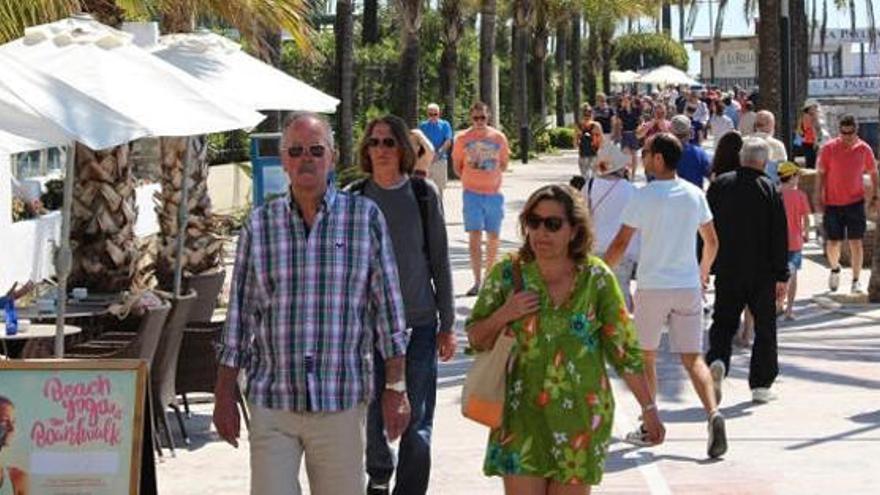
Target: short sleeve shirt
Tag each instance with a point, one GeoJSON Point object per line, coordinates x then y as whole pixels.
{"type": "Point", "coordinates": [796, 208]}
{"type": "Point", "coordinates": [843, 168]}
{"type": "Point", "coordinates": [668, 214]}
{"type": "Point", "coordinates": [479, 157]}
{"type": "Point", "coordinates": [438, 133]}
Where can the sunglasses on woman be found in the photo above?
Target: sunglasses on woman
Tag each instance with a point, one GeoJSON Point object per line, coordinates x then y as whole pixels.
{"type": "Point", "coordinates": [316, 150]}
{"type": "Point", "coordinates": [386, 142]}
{"type": "Point", "coordinates": [552, 224]}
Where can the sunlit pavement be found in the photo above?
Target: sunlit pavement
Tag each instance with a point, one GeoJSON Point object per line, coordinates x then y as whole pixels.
{"type": "Point", "coordinates": [821, 436]}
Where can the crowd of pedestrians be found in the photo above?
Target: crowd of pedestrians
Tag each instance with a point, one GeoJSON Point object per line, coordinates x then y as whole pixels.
{"type": "Point", "coordinates": [342, 300]}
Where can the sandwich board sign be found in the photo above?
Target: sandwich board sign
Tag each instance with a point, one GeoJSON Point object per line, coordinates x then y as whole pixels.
{"type": "Point", "coordinates": [74, 426]}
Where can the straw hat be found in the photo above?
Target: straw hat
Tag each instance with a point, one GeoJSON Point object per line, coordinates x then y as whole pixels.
{"type": "Point", "coordinates": [788, 169]}
{"type": "Point", "coordinates": [610, 159]}
{"type": "Point", "coordinates": [423, 148]}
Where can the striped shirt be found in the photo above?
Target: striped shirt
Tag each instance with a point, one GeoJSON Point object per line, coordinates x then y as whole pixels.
{"type": "Point", "coordinates": [307, 305]}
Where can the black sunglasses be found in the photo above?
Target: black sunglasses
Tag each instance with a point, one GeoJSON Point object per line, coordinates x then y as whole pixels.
{"type": "Point", "coordinates": [847, 132]}
{"type": "Point", "coordinates": [386, 142]}
{"type": "Point", "coordinates": [479, 117]}
{"type": "Point", "coordinates": [552, 224]}
{"type": "Point", "coordinates": [316, 150]}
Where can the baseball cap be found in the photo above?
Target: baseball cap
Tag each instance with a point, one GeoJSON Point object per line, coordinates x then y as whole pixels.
{"type": "Point", "coordinates": [681, 125]}
{"type": "Point", "coordinates": [787, 169]}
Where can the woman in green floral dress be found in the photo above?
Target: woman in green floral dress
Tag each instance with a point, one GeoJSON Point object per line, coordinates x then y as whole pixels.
{"type": "Point", "coordinates": [569, 319]}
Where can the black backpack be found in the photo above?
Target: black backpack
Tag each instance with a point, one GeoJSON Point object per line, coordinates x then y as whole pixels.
{"type": "Point", "coordinates": [420, 189]}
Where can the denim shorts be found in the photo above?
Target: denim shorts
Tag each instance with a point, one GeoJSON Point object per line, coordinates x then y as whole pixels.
{"type": "Point", "coordinates": [795, 260]}
{"type": "Point", "coordinates": [483, 212]}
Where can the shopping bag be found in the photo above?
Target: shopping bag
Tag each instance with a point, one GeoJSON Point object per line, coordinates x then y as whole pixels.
{"type": "Point", "coordinates": [482, 396]}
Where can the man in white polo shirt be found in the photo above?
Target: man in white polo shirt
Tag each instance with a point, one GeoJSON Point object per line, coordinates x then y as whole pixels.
{"type": "Point", "coordinates": [667, 213]}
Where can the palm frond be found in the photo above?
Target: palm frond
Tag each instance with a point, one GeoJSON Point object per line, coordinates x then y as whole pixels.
{"type": "Point", "coordinates": [16, 15]}
{"type": "Point", "coordinates": [749, 8]}
{"type": "Point", "coordinates": [872, 26]}
{"type": "Point", "coordinates": [823, 31]}
{"type": "Point", "coordinates": [852, 15]}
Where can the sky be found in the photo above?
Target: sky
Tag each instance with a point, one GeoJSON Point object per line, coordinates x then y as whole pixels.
{"type": "Point", "coordinates": [735, 21]}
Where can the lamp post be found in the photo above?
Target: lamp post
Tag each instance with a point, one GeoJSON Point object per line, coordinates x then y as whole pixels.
{"type": "Point", "coordinates": [785, 73]}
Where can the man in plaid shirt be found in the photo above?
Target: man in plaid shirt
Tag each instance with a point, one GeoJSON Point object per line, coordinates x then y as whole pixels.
{"type": "Point", "coordinates": [314, 290]}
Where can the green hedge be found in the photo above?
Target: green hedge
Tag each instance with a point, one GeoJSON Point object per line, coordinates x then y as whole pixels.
{"type": "Point", "coordinates": [562, 138]}
{"type": "Point", "coordinates": [645, 50]}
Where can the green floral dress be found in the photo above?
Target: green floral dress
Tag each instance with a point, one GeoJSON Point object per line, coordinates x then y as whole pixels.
{"type": "Point", "coordinates": [559, 408]}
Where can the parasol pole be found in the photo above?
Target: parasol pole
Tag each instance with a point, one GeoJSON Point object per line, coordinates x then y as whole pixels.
{"type": "Point", "coordinates": [63, 256]}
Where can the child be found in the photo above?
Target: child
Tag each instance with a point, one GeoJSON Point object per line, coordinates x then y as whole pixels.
{"type": "Point", "coordinates": [797, 213]}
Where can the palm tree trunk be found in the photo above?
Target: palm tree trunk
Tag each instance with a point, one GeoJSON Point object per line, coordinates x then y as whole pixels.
{"type": "Point", "coordinates": [592, 61]}
{"type": "Point", "coordinates": [104, 212]}
{"type": "Point", "coordinates": [487, 51]}
{"type": "Point", "coordinates": [407, 94]}
{"type": "Point", "coordinates": [370, 22]}
{"type": "Point", "coordinates": [606, 35]}
{"type": "Point", "coordinates": [561, 57]}
{"type": "Point", "coordinates": [800, 40]}
{"type": "Point", "coordinates": [769, 56]}
{"type": "Point", "coordinates": [453, 26]}
{"type": "Point", "coordinates": [203, 248]}
{"type": "Point", "coordinates": [576, 69]}
{"type": "Point", "coordinates": [874, 280]}
{"type": "Point", "coordinates": [521, 50]}
{"type": "Point", "coordinates": [666, 15]}
{"type": "Point", "coordinates": [344, 30]}
{"type": "Point", "coordinates": [539, 64]}
{"type": "Point", "coordinates": [104, 11]}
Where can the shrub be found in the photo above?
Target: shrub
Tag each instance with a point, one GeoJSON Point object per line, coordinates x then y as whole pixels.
{"type": "Point", "coordinates": [645, 50]}
{"type": "Point", "coordinates": [562, 138]}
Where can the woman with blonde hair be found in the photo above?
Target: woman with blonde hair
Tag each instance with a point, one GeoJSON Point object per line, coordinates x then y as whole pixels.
{"type": "Point", "coordinates": [569, 320]}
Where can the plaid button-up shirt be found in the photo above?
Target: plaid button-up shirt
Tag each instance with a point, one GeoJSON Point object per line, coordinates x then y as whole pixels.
{"type": "Point", "coordinates": [308, 305]}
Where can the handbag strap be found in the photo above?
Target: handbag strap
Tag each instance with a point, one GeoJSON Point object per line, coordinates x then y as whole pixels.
{"type": "Point", "coordinates": [517, 274]}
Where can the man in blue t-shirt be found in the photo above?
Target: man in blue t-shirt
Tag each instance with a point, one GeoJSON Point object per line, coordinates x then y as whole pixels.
{"type": "Point", "coordinates": [694, 165]}
{"type": "Point", "coordinates": [439, 132]}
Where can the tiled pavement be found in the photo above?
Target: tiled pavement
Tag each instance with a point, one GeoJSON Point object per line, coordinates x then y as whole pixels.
{"type": "Point", "coordinates": [821, 436]}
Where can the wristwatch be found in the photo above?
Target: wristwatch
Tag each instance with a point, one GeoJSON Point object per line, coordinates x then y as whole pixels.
{"type": "Point", "coordinates": [399, 386]}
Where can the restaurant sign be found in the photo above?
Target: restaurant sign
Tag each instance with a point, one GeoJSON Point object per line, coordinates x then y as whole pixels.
{"type": "Point", "coordinates": [72, 426]}
{"type": "Point", "coordinates": [845, 86]}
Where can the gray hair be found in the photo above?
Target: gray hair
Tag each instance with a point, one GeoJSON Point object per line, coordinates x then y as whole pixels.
{"type": "Point", "coordinates": [755, 151]}
{"type": "Point", "coordinates": [433, 106]}
{"type": "Point", "coordinates": [295, 117]}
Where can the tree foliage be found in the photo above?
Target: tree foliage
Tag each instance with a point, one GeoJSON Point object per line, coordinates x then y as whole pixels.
{"type": "Point", "coordinates": [646, 50]}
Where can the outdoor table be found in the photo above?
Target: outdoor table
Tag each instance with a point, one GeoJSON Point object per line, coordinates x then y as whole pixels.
{"type": "Point", "coordinates": [32, 336]}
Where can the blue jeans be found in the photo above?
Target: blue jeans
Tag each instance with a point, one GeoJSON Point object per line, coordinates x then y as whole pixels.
{"type": "Point", "coordinates": [414, 456]}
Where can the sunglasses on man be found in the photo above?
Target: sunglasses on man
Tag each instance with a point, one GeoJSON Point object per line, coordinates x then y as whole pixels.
{"type": "Point", "coordinates": [847, 132]}
{"type": "Point", "coordinates": [552, 224]}
{"type": "Point", "coordinates": [478, 118]}
{"type": "Point", "coordinates": [315, 150]}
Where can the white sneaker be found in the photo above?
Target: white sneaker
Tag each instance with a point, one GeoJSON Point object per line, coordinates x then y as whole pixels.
{"type": "Point", "coordinates": [762, 395]}
{"type": "Point", "coordinates": [717, 369]}
{"type": "Point", "coordinates": [638, 437]}
{"type": "Point", "coordinates": [857, 288]}
{"type": "Point", "coordinates": [834, 280]}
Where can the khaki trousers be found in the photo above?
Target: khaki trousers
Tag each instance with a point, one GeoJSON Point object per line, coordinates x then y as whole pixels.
{"type": "Point", "coordinates": [333, 444]}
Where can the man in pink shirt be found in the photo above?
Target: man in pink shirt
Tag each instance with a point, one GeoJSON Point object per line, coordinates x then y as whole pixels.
{"type": "Point", "coordinates": [479, 157]}
{"type": "Point", "coordinates": [840, 192]}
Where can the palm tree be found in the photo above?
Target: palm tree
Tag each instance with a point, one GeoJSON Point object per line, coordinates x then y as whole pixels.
{"type": "Point", "coordinates": [576, 71]}
{"type": "Point", "coordinates": [407, 94]}
{"type": "Point", "coordinates": [487, 51]}
{"type": "Point", "coordinates": [344, 31]}
{"type": "Point", "coordinates": [453, 27]}
{"type": "Point", "coordinates": [562, 32]}
{"type": "Point", "coordinates": [370, 22]}
{"type": "Point", "coordinates": [522, 13]}
{"type": "Point", "coordinates": [541, 34]}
